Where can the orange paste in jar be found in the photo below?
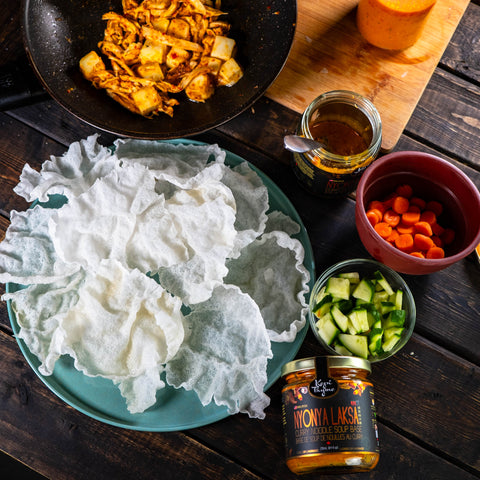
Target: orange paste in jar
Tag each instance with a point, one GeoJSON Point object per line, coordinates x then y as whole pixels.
{"type": "Point", "coordinates": [329, 416]}
{"type": "Point", "coordinates": [392, 24]}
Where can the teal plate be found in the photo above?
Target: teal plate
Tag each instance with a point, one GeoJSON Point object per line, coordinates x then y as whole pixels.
{"type": "Point", "coordinates": [176, 409]}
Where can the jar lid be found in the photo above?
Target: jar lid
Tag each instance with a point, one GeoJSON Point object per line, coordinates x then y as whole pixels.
{"type": "Point", "coordinates": [333, 362]}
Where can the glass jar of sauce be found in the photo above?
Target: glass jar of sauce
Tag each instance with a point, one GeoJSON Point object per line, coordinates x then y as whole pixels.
{"type": "Point", "coordinates": [392, 24]}
{"type": "Point", "coordinates": [329, 415]}
{"type": "Point", "coordinates": [349, 127]}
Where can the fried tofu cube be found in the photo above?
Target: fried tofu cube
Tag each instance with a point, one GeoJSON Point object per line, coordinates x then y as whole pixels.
{"type": "Point", "coordinates": [153, 54]}
{"type": "Point", "coordinates": [213, 64]}
{"type": "Point", "coordinates": [200, 88]}
{"type": "Point", "coordinates": [161, 24]}
{"type": "Point", "coordinates": [152, 71]}
{"type": "Point", "coordinates": [179, 28]}
{"type": "Point", "coordinates": [146, 99]}
{"type": "Point", "coordinates": [91, 64]}
{"type": "Point", "coordinates": [230, 73]}
{"type": "Point", "coordinates": [176, 56]}
{"type": "Point", "coordinates": [223, 47]}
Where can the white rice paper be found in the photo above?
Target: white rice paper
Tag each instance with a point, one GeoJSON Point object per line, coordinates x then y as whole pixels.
{"type": "Point", "coordinates": [178, 214]}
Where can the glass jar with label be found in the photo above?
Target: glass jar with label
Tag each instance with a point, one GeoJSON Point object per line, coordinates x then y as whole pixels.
{"type": "Point", "coordinates": [329, 415]}
{"type": "Point", "coordinates": [350, 128]}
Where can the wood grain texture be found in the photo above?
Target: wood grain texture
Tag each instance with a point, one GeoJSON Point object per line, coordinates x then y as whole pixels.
{"type": "Point", "coordinates": [328, 53]}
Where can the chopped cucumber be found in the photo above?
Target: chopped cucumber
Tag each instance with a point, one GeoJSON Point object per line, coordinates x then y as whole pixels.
{"type": "Point", "coordinates": [381, 280]}
{"type": "Point", "coordinates": [340, 319]}
{"type": "Point", "coordinates": [341, 350]}
{"type": "Point", "coordinates": [357, 344]}
{"type": "Point", "coordinates": [338, 288]}
{"type": "Point", "coordinates": [327, 328]}
{"type": "Point", "coordinates": [364, 291]}
{"type": "Point", "coordinates": [390, 343]}
{"type": "Point", "coordinates": [375, 341]}
{"type": "Point", "coordinates": [353, 277]}
{"type": "Point", "coordinates": [360, 316]}
{"type": "Point", "coordinates": [397, 299]}
{"type": "Point", "coordinates": [386, 307]}
{"type": "Point", "coordinates": [359, 319]}
{"type": "Point", "coordinates": [392, 332]}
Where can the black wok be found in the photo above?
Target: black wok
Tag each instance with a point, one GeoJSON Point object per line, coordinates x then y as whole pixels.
{"type": "Point", "coordinates": [57, 33]}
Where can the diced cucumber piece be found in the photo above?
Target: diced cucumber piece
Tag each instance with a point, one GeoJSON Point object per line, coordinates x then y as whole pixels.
{"type": "Point", "coordinates": [364, 291]}
{"type": "Point", "coordinates": [326, 299]}
{"type": "Point", "coordinates": [373, 316]}
{"type": "Point", "coordinates": [345, 305]}
{"type": "Point", "coordinates": [353, 277]}
{"type": "Point", "coordinates": [323, 309]}
{"type": "Point", "coordinates": [383, 282]}
{"type": "Point", "coordinates": [379, 297]}
{"type": "Point", "coordinates": [377, 325]}
{"type": "Point", "coordinates": [351, 329]}
{"type": "Point", "coordinates": [396, 318]}
{"type": "Point", "coordinates": [390, 343]}
{"type": "Point", "coordinates": [375, 341]}
{"type": "Point", "coordinates": [341, 350]}
{"type": "Point", "coordinates": [398, 299]}
{"type": "Point", "coordinates": [386, 307]}
{"type": "Point", "coordinates": [357, 344]}
{"type": "Point", "coordinates": [327, 328]}
{"type": "Point", "coordinates": [392, 332]}
{"type": "Point", "coordinates": [359, 319]}
{"type": "Point", "coordinates": [340, 319]}
{"type": "Point", "coordinates": [338, 287]}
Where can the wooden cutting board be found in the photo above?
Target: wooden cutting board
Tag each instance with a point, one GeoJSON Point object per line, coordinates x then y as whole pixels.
{"type": "Point", "coordinates": [328, 53]}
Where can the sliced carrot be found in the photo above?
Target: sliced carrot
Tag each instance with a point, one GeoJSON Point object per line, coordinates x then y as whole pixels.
{"type": "Point", "coordinates": [400, 204]}
{"type": "Point", "coordinates": [377, 205]}
{"type": "Point", "coordinates": [429, 217]}
{"type": "Point", "coordinates": [419, 202]}
{"type": "Point", "coordinates": [404, 190]}
{"type": "Point", "coordinates": [448, 236]}
{"type": "Point", "coordinates": [392, 237]}
{"type": "Point", "coordinates": [404, 242]}
{"type": "Point", "coordinates": [417, 254]}
{"type": "Point", "coordinates": [424, 228]}
{"type": "Point", "coordinates": [422, 242]}
{"type": "Point", "coordinates": [405, 229]}
{"type": "Point", "coordinates": [391, 217]}
{"type": "Point", "coordinates": [437, 229]}
{"type": "Point", "coordinates": [373, 217]}
{"type": "Point", "coordinates": [435, 253]}
{"type": "Point", "coordinates": [435, 207]}
{"type": "Point", "coordinates": [383, 229]}
{"type": "Point", "coordinates": [411, 217]}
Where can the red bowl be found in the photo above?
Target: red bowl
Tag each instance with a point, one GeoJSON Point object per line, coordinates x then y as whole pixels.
{"type": "Point", "coordinates": [432, 178]}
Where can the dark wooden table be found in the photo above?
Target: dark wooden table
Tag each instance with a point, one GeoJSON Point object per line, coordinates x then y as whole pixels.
{"type": "Point", "coordinates": [428, 395]}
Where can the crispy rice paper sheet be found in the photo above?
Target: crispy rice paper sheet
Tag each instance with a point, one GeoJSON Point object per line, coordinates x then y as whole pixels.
{"type": "Point", "coordinates": [162, 267]}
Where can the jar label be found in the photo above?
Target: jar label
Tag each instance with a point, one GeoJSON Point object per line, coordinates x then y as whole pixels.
{"type": "Point", "coordinates": [344, 421]}
{"type": "Point", "coordinates": [322, 385]}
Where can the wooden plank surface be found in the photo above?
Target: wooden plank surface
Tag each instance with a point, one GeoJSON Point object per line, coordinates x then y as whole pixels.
{"type": "Point", "coordinates": [328, 53]}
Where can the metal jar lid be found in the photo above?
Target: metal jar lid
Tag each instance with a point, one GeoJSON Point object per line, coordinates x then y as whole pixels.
{"type": "Point", "coordinates": [333, 362]}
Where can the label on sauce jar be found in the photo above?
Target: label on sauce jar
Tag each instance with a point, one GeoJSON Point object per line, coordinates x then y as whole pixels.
{"type": "Point", "coordinates": [323, 183]}
{"type": "Point", "coordinates": [344, 420]}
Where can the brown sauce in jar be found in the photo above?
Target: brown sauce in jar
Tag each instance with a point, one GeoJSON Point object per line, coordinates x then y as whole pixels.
{"type": "Point", "coordinates": [338, 137]}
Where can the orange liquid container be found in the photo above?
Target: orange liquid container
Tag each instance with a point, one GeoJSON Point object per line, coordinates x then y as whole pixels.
{"type": "Point", "coordinates": [392, 24]}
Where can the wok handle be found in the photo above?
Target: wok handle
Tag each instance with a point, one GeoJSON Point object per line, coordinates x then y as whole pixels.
{"type": "Point", "coordinates": [19, 86]}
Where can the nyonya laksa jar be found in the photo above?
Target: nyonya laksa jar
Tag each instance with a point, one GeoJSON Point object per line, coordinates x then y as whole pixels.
{"type": "Point", "coordinates": [329, 415]}
{"type": "Point", "coordinates": [349, 127]}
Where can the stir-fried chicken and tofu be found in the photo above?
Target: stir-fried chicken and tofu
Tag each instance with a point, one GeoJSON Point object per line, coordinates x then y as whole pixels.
{"type": "Point", "coordinates": [163, 47]}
